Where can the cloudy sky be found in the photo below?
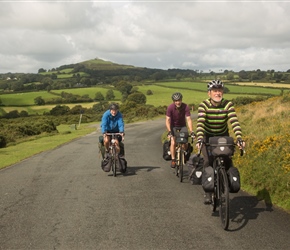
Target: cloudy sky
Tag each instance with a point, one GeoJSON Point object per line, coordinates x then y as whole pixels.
{"type": "Point", "coordinates": [200, 35]}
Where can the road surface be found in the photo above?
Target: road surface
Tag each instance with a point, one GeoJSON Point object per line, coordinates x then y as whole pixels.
{"type": "Point", "coordinates": [61, 199]}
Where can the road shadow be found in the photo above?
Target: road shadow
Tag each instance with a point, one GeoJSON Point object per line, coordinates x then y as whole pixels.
{"type": "Point", "coordinates": [246, 208]}
{"type": "Point", "coordinates": [132, 170]}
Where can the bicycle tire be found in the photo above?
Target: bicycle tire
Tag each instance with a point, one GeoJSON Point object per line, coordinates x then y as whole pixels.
{"type": "Point", "coordinates": [114, 167]}
{"type": "Point", "coordinates": [214, 199]}
{"type": "Point", "coordinates": [223, 189]}
{"type": "Point", "coordinates": [181, 161]}
{"type": "Point", "coordinates": [177, 163]}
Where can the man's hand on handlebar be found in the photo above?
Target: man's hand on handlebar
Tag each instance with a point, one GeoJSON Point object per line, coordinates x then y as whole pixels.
{"type": "Point", "coordinates": [198, 143]}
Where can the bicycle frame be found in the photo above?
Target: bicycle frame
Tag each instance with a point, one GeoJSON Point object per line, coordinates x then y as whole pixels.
{"type": "Point", "coordinates": [180, 159]}
{"type": "Point", "coordinates": [220, 195]}
{"type": "Point", "coordinates": [113, 152]}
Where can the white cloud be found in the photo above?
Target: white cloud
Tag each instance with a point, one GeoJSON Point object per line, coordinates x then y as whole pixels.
{"type": "Point", "coordinates": [232, 35]}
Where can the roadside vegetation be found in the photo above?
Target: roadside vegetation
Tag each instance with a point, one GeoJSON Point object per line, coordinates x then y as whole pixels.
{"type": "Point", "coordinates": [265, 168]}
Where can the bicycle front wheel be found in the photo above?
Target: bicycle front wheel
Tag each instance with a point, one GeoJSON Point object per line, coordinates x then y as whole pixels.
{"type": "Point", "coordinates": [223, 187]}
{"type": "Point", "coordinates": [181, 163]}
{"type": "Point", "coordinates": [114, 163]}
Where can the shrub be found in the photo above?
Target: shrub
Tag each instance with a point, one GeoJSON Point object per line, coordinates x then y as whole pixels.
{"type": "Point", "coordinates": [3, 141]}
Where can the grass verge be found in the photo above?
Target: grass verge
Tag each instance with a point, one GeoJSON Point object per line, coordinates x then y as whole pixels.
{"type": "Point", "coordinates": [16, 153]}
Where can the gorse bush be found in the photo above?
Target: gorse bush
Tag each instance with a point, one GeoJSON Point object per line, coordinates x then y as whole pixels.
{"type": "Point", "coordinates": [265, 169]}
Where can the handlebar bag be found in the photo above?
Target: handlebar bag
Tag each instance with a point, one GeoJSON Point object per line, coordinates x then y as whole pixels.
{"type": "Point", "coordinates": [181, 137]}
{"type": "Point", "coordinates": [221, 145]}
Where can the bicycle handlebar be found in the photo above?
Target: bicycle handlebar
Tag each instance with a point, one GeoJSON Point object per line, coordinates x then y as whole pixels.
{"type": "Point", "coordinates": [113, 134]}
{"type": "Point", "coordinates": [242, 149]}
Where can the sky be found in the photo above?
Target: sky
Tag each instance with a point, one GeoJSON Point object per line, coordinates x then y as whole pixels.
{"type": "Point", "coordinates": [199, 35]}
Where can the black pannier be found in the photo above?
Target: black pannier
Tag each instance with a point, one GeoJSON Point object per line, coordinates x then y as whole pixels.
{"type": "Point", "coordinates": [101, 146]}
{"type": "Point", "coordinates": [208, 179]}
{"type": "Point", "coordinates": [106, 164]}
{"type": "Point", "coordinates": [121, 164]}
{"type": "Point", "coordinates": [234, 179]}
{"type": "Point", "coordinates": [221, 145]}
{"type": "Point", "coordinates": [166, 151]}
{"type": "Point", "coordinates": [195, 169]}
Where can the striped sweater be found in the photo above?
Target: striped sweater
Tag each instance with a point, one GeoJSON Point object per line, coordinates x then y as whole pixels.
{"type": "Point", "coordinates": [213, 121]}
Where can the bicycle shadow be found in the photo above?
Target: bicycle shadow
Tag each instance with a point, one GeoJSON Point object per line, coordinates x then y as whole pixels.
{"type": "Point", "coordinates": [246, 208]}
{"type": "Point", "coordinates": [132, 170]}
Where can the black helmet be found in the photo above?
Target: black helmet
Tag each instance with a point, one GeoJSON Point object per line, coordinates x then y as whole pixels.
{"type": "Point", "coordinates": [114, 106]}
{"type": "Point", "coordinates": [215, 84]}
{"type": "Point", "coordinates": [176, 96]}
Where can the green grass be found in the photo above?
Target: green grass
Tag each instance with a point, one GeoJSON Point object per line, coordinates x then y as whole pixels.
{"type": "Point", "coordinates": [21, 151]}
{"type": "Point", "coordinates": [90, 91]}
{"type": "Point", "coordinates": [162, 95]}
{"type": "Point", "coordinates": [23, 99]}
{"type": "Point", "coordinates": [202, 86]}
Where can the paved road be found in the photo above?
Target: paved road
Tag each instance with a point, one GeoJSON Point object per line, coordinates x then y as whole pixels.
{"type": "Point", "coordinates": [61, 199]}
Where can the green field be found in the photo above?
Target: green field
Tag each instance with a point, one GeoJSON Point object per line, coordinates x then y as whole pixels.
{"type": "Point", "coordinates": [193, 93]}
{"type": "Point", "coordinates": [201, 86]}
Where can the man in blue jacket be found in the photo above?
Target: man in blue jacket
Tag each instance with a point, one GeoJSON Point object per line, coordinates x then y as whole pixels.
{"type": "Point", "coordinates": [112, 122]}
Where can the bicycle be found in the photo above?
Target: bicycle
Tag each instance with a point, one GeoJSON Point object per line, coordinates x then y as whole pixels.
{"type": "Point", "coordinates": [221, 147]}
{"type": "Point", "coordinates": [113, 151]}
{"type": "Point", "coordinates": [181, 140]}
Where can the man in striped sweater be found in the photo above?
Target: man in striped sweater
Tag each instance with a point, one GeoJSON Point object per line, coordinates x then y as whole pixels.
{"type": "Point", "coordinates": [214, 114]}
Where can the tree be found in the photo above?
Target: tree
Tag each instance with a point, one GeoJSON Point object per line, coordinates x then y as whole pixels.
{"type": "Point", "coordinates": [124, 88]}
{"type": "Point", "coordinates": [60, 110]}
{"type": "Point", "coordinates": [110, 95]}
{"type": "Point", "coordinates": [99, 96]}
{"type": "Point", "coordinates": [137, 97]}
{"type": "Point", "coordinates": [41, 70]}
{"type": "Point", "coordinates": [149, 92]}
{"type": "Point", "coordinates": [39, 101]}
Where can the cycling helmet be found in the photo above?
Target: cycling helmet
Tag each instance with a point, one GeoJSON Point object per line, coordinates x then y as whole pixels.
{"type": "Point", "coordinates": [215, 84]}
{"type": "Point", "coordinates": [114, 106]}
{"type": "Point", "coordinates": [176, 96]}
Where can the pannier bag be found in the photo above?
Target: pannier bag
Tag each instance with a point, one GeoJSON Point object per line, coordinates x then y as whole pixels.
{"type": "Point", "coordinates": [122, 149]}
{"type": "Point", "coordinates": [234, 179]}
{"type": "Point", "coordinates": [208, 179]}
{"type": "Point", "coordinates": [166, 151]}
{"type": "Point", "coordinates": [188, 152]}
{"type": "Point", "coordinates": [195, 169]}
{"type": "Point", "coordinates": [106, 164]}
{"type": "Point", "coordinates": [221, 145]}
{"type": "Point", "coordinates": [121, 164]}
{"type": "Point", "coordinates": [101, 146]}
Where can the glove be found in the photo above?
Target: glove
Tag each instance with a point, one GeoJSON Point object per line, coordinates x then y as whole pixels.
{"type": "Point", "coordinates": [169, 133]}
{"type": "Point", "coordinates": [192, 134]}
{"type": "Point", "coordinates": [240, 141]}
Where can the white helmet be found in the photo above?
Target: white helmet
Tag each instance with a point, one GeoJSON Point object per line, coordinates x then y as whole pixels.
{"type": "Point", "coordinates": [215, 84]}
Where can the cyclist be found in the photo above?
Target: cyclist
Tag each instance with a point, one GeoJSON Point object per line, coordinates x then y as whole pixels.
{"type": "Point", "coordinates": [112, 122]}
{"type": "Point", "coordinates": [213, 116]}
{"type": "Point", "coordinates": [177, 114]}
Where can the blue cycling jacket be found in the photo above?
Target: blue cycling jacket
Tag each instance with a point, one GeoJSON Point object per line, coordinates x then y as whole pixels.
{"type": "Point", "coordinates": [113, 124]}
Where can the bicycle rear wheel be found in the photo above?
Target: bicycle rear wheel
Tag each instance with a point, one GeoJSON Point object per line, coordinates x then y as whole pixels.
{"type": "Point", "coordinates": [223, 187]}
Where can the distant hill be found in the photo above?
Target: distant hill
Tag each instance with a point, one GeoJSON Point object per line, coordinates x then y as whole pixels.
{"type": "Point", "coordinates": [99, 64]}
